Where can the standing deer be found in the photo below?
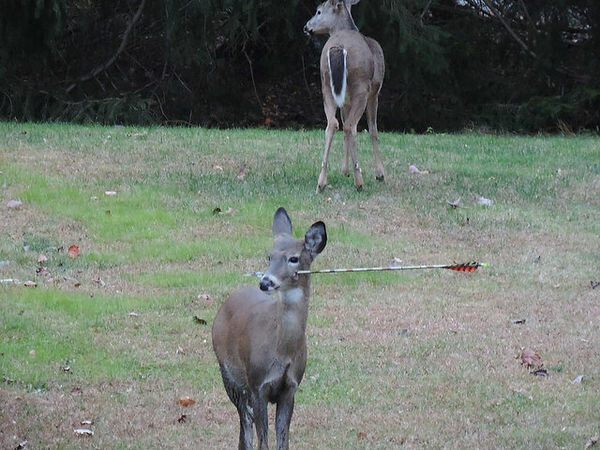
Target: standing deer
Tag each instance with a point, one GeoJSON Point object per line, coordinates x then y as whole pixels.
{"type": "Point", "coordinates": [352, 69]}
{"type": "Point", "coordinates": [260, 339]}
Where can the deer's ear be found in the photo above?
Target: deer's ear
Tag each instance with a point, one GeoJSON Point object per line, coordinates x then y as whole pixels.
{"type": "Point", "coordinates": [351, 2]}
{"type": "Point", "coordinates": [337, 4]}
{"type": "Point", "coordinates": [281, 222]}
{"type": "Point", "coordinates": [315, 238]}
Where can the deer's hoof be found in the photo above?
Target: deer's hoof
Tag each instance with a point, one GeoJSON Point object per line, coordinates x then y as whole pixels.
{"type": "Point", "coordinates": [322, 181]}
{"type": "Point", "coordinates": [380, 177]}
{"type": "Point", "coordinates": [359, 188]}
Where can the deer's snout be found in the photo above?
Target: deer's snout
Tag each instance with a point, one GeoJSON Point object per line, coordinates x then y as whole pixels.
{"type": "Point", "coordinates": [307, 30]}
{"type": "Point", "coordinates": [268, 284]}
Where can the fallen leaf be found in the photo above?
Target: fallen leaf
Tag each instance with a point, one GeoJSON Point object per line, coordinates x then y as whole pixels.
{"type": "Point", "coordinates": [455, 203]}
{"type": "Point", "coordinates": [14, 204]}
{"type": "Point", "coordinates": [136, 134]}
{"type": "Point", "coordinates": [87, 422]}
{"type": "Point", "coordinates": [73, 251]}
{"type": "Point", "coordinates": [414, 169]}
{"type": "Point", "coordinates": [217, 167]}
{"type": "Point", "coordinates": [83, 432]}
{"type": "Point", "coordinates": [30, 283]}
{"type": "Point", "coordinates": [518, 321]}
{"type": "Point", "coordinates": [100, 282]}
{"type": "Point", "coordinates": [578, 379]}
{"type": "Point", "coordinates": [594, 284]}
{"type": "Point", "coordinates": [76, 391]}
{"type": "Point", "coordinates": [219, 211]}
{"type": "Point", "coordinates": [182, 418]}
{"type": "Point", "coordinates": [42, 258]}
{"type": "Point", "coordinates": [361, 435]}
{"type": "Point", "coordinates": [530, 358]}
{"type": "Point", "coordinates": [199, 320]}
{"type": "Point", "coordinates": [110, 193]}
{"type": "Point", "coordinates": [204, 297]}
{"type": "Point", "coordinates": [484, 201]}
{"type": "Point", "coordinates": [242, 172]}
{"type": "Point", "coordinates": [133, 314]}
{"type": "Point", "coordinates": [186, 401]}
{"type": "Point", "coordinates": [541, 373]}
{"type": "Point", "coordinates": [22, 445]}
{"type": "Point", "coordinates": [592, 441]}
{"type": "Point", "coordinates": [32, 352]}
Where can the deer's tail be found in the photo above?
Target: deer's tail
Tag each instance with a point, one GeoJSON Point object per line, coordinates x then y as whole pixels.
{"type": "Point", "coordinates": [336, 59]}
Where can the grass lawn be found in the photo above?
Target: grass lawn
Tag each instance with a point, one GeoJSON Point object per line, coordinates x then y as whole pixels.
{"type": "Point", "coordinates": [420, 359]}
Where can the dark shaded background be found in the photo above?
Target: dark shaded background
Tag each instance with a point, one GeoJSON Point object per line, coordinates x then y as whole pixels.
{"type": "Point", "coordinates": [451, 65]}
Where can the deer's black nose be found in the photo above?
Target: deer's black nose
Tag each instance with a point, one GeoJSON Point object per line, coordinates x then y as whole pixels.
{"type": "Point", "coordinates": [265, 284]}
{"type": "Point", "coordinates": [306, 30]}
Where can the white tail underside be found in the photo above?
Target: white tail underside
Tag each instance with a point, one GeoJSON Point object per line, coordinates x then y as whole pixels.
{"type": "Point", "coordinates": [339, 99]}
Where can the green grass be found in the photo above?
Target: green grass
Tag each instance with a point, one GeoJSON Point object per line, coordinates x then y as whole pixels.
{"type": "Point", "coordinates": [414, 359]}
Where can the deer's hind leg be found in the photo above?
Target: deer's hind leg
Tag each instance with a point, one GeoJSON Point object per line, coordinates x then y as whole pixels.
{"type": "Point", "coordinates": [332, 126]}
{"type": "Point", "coordinates": [372, 104]}
{"type": "Point", "coordinates": [345, 161]}
{"type": "Point", "coordinates": [352, 114]}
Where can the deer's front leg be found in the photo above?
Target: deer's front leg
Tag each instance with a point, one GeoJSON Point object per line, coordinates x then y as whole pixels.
{"type": "Point", "coordinates": [261, 420]}
{"type": "Point", "coordinates": [283, 417]}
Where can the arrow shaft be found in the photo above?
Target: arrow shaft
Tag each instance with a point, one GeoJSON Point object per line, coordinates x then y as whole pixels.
{"type": "Point", "coordinates": [467, 267]}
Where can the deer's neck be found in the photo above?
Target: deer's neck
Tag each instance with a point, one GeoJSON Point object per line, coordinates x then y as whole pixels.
{"type": "Point", "coordinates": [294, 306]}
{"type": "Point", "coordinates": [347, 23]}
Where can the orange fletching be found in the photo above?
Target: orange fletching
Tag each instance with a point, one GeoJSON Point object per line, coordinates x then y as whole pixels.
{"type": "Point", "coordinates": [466, 267]}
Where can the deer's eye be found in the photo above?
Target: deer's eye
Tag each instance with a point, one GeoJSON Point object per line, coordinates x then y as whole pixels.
{"type": "Point", "coordinates": [293, 260]}
{"type": "Point", "coordinates": [318, 12]}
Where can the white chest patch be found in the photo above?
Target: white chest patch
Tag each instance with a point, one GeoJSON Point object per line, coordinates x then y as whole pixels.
{"type": "Point", "coordinates": [292, 295]}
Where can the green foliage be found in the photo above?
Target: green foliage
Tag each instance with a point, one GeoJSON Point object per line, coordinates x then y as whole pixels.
{"type": "Point", "coordinates": [226, 63]}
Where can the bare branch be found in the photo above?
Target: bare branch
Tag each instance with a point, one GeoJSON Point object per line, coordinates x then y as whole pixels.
{"type": "Point", "coordinates": [113, 58]}
{"type": "Point", "coordinates": [425, 10]}
{"type": "Point", "coordinates": [506, 25]}
{"type": "Point", "coordinates": [246, 39]}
